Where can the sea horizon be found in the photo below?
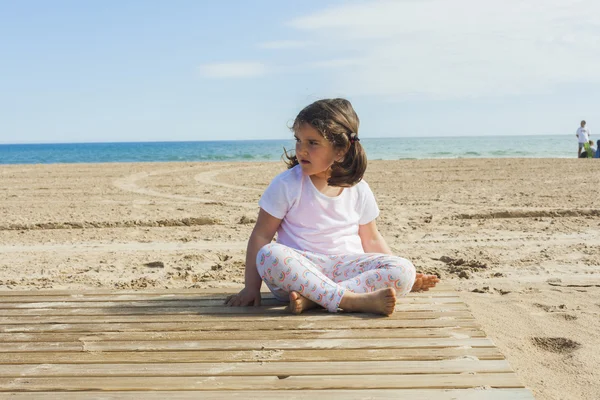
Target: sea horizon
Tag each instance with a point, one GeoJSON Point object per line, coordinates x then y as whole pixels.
{"type": "Point", "coordinates": [384, 148]}
{"type": "Point", "coordinates": [271, 139]}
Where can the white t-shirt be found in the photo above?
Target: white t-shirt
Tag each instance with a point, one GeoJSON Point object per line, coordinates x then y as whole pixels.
{"type": "Point", "coordinates": [583, 134]}
{"type": "Point", "coordinates": [315, 222]}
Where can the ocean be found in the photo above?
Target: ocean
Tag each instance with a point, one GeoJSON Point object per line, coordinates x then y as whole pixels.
{"type": "Point", "coordinates": [564, 146]}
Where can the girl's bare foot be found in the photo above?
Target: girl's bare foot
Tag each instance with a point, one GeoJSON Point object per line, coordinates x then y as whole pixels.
{"type": "Point", "coordinates": [299, 303]}
{"type": "Point", "coordinates": [382, 301]}
{"type": "Point", "coordinates": [424, 282]}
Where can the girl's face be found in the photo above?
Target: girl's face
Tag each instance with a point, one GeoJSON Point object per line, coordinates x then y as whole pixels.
{"type": "Point", "coordinates": [315, 153]}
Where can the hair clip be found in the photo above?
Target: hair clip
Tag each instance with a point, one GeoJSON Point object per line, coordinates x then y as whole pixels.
{"type": "Point", "coordinates": [354, 137]}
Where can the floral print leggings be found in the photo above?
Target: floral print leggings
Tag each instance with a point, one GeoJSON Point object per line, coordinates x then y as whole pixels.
{"type": "Point", "coordinates": [324, 278]}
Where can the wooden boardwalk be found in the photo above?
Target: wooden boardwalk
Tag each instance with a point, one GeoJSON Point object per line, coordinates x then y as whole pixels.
{"type": "Point", "coordinates": [183, 344]}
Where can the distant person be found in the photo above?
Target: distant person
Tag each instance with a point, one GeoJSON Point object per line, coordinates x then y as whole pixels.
{"type": "Point", "coordinates": [583, 134]}
{"type": "Point", "coordinates": [591, 151]}
{"type": "Point", "coordinates": [588, 150]}
{"type": "Point", "coordinates": [597, 149]}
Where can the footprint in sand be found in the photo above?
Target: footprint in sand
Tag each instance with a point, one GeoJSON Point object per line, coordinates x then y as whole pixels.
{"type": "Point", "coordinates": [558, 345]}
{"type": "Point", "coordinates": [548, 308]}
{"type": "Point", "coordinates": [557, 311]}
{"type": "Point", "coordinates": [566, 317]}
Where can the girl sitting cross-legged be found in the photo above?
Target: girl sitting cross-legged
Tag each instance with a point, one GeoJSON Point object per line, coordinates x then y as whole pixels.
{"type": "Point", "coordinates": [328, 252]}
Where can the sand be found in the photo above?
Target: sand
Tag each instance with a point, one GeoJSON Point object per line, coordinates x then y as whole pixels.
{"type": "Point", "coordinates": [518, 238]}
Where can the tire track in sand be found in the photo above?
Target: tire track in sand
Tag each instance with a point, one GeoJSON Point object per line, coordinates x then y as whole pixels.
{"type": "Point", "coordinates": [124, 247]}
{"type": "Point", "coordinates": [129, 184]}
{"type": "Point", "coordinates": [587, 237]}
{"type": "Point", "coordinates": [208, 178]}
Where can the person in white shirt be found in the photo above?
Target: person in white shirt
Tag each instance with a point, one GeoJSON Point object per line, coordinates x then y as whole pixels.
{"type": "Point", "coordinates": [329, 252]}
{"type": "Point", "coordinates": [583, 135]}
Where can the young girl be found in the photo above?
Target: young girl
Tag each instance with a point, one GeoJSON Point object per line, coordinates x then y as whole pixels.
{"type": "Point", "coordinates": [329, 252]}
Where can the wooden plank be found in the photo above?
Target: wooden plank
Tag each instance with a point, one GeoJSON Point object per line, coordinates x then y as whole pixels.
{"type": "Point", "coordinates": [166, 299]}
{"type": "Point", "coordinates": [445, 353]}
{"type": "Point", "coordinates": [280, 315]}
{"type": "Point", "coordinates": [144, 291]}
{"type": "Point", "coordinates": [425, 304]}
{"type": "Point", "coordinates": [185, 343]}
{"type": "Point", "coordinates": [210, 312]}
{"type": "Point", "coordinates": [257, 368]}
{"type": "Point", "coordinates": [236, 335]}
{"type": "Point", "coordinates": [258, 344]}
{"type": "Point", "coordinates": [258, 324]}
{"type": "Point", "coordinates": [442, 289]}
{"type": "Point", "coordinates": [98, 302]}
{"type": "Point", "coordinates": [372, 394]}
{"type": "Point", "coordinates": [321, 382]}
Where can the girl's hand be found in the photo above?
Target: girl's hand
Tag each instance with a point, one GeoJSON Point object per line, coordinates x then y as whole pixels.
{"type": "Point", "coordinates": [246, 297]}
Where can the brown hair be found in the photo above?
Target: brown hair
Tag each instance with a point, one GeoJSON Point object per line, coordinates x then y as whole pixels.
{"type": "Point", "coordinates": [336, 121]}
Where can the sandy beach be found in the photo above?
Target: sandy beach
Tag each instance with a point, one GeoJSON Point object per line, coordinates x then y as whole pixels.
{"type": "Point", "coordinates": [519, 239]}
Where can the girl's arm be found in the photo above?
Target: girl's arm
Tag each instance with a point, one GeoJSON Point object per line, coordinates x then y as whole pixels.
{"type": "Point", "coordinates": [371, 239]}
{"type": "Point", "coordinates": [262, 234]}
{"type": "Point", "coordinates": [264, 230]}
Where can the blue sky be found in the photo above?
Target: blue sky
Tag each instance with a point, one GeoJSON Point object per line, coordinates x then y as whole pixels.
{"type": "Point", "coordinates": [101, 71]}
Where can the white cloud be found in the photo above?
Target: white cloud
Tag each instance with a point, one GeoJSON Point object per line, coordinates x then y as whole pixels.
{"type": "Point", "coordinates": [460, 48]}
{"type": "Point", "coordinates": [283, 44]}
{"type": "Point", "coordinates": [233, 70]}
